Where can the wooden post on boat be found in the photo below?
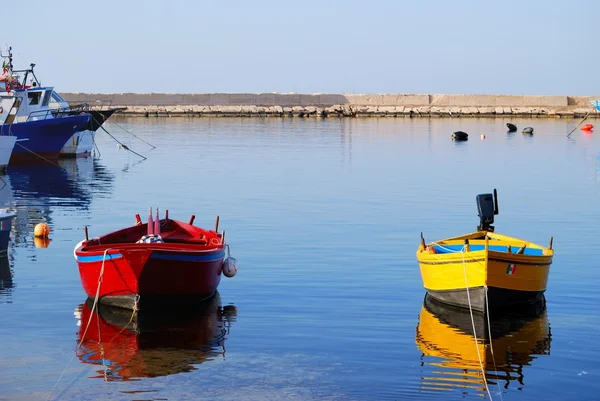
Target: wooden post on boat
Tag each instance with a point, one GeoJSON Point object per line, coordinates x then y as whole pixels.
{"type": "Point", "coordinates": [509, 248]}
{"type": "Point", "coordinates": [423, 241]}
{"type": "Point", "coordinates": [521, 249]}
{"type": "Point", "coordinates": [467, 246]}
{"type": "Point", "coordinates": [192, 217]}
{"type": "Point", "coordinates": [85, 230]}
{"type": "Point", "coordinates": [223, 237]}
{"type": "Point", "coordinates": [217, 225]}
{"type": "Point", "coordinates": [166, 215]}
{"type": "Point", "coordinates": [487, 248]}
{"type": "Point", "coordinates": [138, 220]}
{"type": "Point", "coordinates": [551, 239]}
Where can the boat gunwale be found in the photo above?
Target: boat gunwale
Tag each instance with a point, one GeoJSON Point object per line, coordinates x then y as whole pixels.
{"type": "Point", "coordinates": [169, 247]}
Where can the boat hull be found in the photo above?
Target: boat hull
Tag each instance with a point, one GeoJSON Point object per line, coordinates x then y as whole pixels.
{"type": "Point", "coordinates": [43, 138]}
{"type": "Point", "coordinates": [6, 218]}
{"type": "Point", "coordinates": [497, 299]}
{"type": "Point", "coordinates": [145, 276]}
{"type": "Point", "coordinates": [492, 276]}
{"type": "Point", "coordinates": [7, 145]}
{"type": "Point", "coordinates": [81, 144]}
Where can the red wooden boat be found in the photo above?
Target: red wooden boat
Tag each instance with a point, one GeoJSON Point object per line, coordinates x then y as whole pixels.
{"type": "Point", "coordinates": [149, 344]}
{"type": "Point", "coordinates": [161, 262]}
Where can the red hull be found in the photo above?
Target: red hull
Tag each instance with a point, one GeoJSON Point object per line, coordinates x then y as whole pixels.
{"type": "Point", "coordinates": [187, 266]}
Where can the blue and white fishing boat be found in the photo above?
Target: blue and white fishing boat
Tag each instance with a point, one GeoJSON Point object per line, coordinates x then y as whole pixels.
{"type": "Point", "coordinates": [596, 104]}
{"type": "Point", "coordinates": [40, 131]}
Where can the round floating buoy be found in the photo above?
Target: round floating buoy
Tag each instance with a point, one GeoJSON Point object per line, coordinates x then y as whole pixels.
{"type": "Point", "coordinates": [528, 130]}
{"type": "Point", "coordinates": [41, 230]}
{"type": "Point", "coordinates": [587, 127]}
{"type": "Point", "coordinates": [482, 136]}
{"type": "Point", "coordinates": [41, 242]}
{"type": "Point", "coordinates": [460, 136]}
{"type": "Point", "coordinates": [230, 267]}
{"type": "Point", "coordinates": [511, 127]}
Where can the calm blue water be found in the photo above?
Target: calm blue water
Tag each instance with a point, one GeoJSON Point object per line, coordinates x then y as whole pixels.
{"type": "Point", "coordinates": [324, 217]}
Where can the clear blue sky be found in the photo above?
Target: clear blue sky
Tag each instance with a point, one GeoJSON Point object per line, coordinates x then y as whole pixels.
{"type": "Point", "coordinates": [388, 46]}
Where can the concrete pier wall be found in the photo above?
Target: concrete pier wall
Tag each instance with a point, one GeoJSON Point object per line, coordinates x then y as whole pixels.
{"type": "Point", "coordinates": [340, 105]}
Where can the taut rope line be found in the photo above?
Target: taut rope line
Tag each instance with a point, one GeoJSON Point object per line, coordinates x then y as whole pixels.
{"type": "Point", "coordinates": [473, 323]}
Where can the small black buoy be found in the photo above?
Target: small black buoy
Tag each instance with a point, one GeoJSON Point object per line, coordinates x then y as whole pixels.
{"type": "Point", "coordinates": [528, 130]}
{"type": "Point", "coordinates": [511, 127]}
{"type": "Point", "coordinates": [460, 136]}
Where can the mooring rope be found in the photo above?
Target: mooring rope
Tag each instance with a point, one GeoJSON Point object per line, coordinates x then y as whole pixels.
{"type": "Point", "coordinates": [131, 133]}
{"type": "Point", "coordinates": [473, 323]}
{"type": "Point", "coordinates": [487, 309]}
{"type": "Point", "coordinates": [100, 279]}
{"type": "Point", "coordinates": [119, 142]}
{"type": "Point", "coordinates": [38, 155]}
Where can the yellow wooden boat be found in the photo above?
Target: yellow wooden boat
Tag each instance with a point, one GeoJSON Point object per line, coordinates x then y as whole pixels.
{"type": "Point", "coordinates": [455, 358]}
{"type": "Point", "coordinates": [484, 270]}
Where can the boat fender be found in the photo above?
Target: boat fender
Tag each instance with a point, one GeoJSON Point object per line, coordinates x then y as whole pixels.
{"type": "Point", "coordinates": [214, 241]}
{"type": "Point", "coordinates": [230, 267]}
{"type": "Point", "coordinates": [1, 110]}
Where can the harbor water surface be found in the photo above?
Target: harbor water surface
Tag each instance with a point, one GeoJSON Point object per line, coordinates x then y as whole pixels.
{"type": "Point", "coordinates": [324, 218]}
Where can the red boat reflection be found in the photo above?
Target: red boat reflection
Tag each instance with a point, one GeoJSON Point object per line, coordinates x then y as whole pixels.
{"type": "Point", "coordinates": [152, 343]}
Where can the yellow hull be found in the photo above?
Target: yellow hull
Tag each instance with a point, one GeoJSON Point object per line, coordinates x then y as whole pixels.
{"type": "Point", "coordinates": [489, 264]}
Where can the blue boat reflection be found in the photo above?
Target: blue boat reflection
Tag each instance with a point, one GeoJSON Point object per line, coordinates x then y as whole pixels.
{"type": "Point", "coordinates": [33, 191]}
{"type": "Point", "coordinates": [151, 343]}
{"type": "Point", "coordinates": [6, 278]}
{"type": "Point", "coordinates": [453, 358]}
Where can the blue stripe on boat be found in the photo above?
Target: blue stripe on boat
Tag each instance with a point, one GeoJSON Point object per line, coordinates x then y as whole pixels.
{"type": "Point", "coordinates": [188, 258]}
{"type": "Point", "coordinates": [496, 248]}
{"type": "Point", "coordinates": [98, 258]}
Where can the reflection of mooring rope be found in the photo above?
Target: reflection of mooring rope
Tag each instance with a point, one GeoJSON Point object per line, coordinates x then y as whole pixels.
{"type": "Point", "coordinates": [464, 249]}
{"type": "Point", "coordinates": [131, 133]}
{"type": "Point", "coordinates": [119, 142]}
{"type": "Point", "coordinates": [489, 324]}
{"type": "Point", "coordinates": [122, 144]}
{"type": "Point", "coordinates": [94, 306]}
{"type": "Point", "coordinates": [38, 155]}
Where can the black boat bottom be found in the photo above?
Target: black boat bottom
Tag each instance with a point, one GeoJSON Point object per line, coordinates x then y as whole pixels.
{"type": "Point", "coordinates": [499, 299]}
{"type": "Point", "coordinates": [153, 301]}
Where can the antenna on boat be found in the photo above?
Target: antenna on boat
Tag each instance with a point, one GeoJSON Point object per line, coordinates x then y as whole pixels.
{"type": "Point", "coordinates": [487, 206]}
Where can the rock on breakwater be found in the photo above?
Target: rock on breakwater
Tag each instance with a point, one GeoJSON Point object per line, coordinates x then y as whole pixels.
{"type": "Point", "coordinates": [339, 105]}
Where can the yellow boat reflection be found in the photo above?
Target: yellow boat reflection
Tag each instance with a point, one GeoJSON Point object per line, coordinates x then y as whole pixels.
{"type": "Point", "coordinates": [452, 353]}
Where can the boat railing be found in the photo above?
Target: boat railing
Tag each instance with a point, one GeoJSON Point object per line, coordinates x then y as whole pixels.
{"type": "Point", "coordinates": [51, 113]}
{"type": "Point", "coordinates": [97, 104]}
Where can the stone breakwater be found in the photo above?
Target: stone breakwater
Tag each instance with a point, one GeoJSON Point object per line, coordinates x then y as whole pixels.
{"type": "Point", "coordinates": [339, 105]}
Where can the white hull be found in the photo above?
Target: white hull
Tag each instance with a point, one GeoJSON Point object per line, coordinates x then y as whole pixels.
{"type": "Point", "coordinates": [7, 144]}
{"type": "Point", "coordinates": [80, 145]}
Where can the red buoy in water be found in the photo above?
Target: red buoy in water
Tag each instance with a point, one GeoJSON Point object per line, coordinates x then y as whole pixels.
{"type": "Point", "coordinates": [588, 127]}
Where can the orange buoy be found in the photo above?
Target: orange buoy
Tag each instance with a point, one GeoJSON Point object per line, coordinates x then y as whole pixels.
{"type": "Point", "coordinates": [587, 127]}
{"type": "Point", "coordinates": [41, 230]}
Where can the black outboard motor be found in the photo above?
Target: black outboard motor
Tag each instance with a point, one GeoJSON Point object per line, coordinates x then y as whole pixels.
{"type": "Point", "coordinates": [487, 206]}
